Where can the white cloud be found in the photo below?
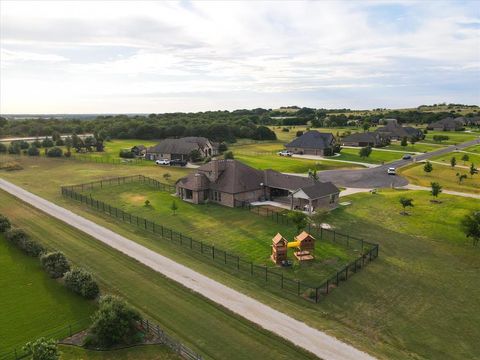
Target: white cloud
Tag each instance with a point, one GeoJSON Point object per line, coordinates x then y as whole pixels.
{"type": "Point", "coordinates": [83, 52]}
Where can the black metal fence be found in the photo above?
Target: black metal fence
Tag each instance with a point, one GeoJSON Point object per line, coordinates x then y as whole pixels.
{"type": "Point", "coordinates": [85, 158]}
{"type": "Point", "coordinates": [231, 262]}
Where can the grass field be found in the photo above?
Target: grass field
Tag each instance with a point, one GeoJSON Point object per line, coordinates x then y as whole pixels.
{"type": "Point", "coordinates": [445, 175]}
{"type": "Point", "coordinates": [238, 231]}
{"type": "Point", "coordinates": [376, 157]}
{"type": "Point", "coordinates": [404, 305]}
{"type": "Point", "coordinates": [417, 147]}
{"type": "Point", "coordinates": [474, 149]}
{"type": "Point", "coordinates": [146, 352]}
{"type": "Point", "coordinates": [32, 304]}
{"type": "Point", "coordinates": [456, 137]}
{"type": "Point", "coordinates": [207, 328]}
{"type": "Point", "coordinates": [472, 158]}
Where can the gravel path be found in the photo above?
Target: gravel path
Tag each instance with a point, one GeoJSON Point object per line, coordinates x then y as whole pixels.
{"type": "Point", "coordinates": [313, 340]}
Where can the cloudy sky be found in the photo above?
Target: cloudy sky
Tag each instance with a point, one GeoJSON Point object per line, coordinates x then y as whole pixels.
{"type": "Point", "coordinates": [126, 57]}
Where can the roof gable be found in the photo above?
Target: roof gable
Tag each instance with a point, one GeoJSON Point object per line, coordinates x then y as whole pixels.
{"type": "Point", "coordinates": [313, 140]}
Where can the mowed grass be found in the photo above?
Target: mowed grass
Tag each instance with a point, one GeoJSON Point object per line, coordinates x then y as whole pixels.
{"type": "Point", "coordinates": [472, 158]}
{"type": "Point", "coordinates": [473, 149]}
{"type": "Point", "coordinates": [403, 305]}
{"type": "Point", "coordinates": [145, 352]}
{"type": "Point", "coordinates": [455, 137]}
{"type": "Point", "coordinates": [198, 323]}
{"type": "Point", "coordinates": [32, 304]}
{"type": "Point", "coordinates": [445, 175]}
{"type": "Point", "coordinates": [235, 230]}
{"type": "Point", "coordinates": [376, 157]}
{"type": "Point", "coordinates": [417, 147]}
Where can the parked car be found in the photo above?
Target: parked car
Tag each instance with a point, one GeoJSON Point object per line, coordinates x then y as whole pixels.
{"type": "Point", "coordinates": [391, 171]}
{"type": "Point", "coordinates": [407, 157]}
{"type": "Point", "coordinates": [162, 162]}
{"type": "Point", "coordinates": [177, 162]}
{"type": "Point", "coordinates": [285, 153]}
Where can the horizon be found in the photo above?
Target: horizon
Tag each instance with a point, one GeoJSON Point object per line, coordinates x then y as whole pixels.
{"type": "Point", "coordinates": [163, 57]}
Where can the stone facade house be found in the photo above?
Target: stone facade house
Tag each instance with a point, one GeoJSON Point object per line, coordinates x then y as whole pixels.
{"type": "Point", "coordinates": [448, 124]}
{"type": "Point", "coordinates": [181, 148]}
{"type": "Point", "coordinates": [313, 143]}
{"type": "Point", "coordinates": [232, 183]}
{"type": "Point", "coordinates": [395, 131]}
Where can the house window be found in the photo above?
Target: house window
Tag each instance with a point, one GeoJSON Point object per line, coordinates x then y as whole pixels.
{"type": "Point", "coordinates": [219, 196]}
{"type": "Point", "coordinates": [333, 198]}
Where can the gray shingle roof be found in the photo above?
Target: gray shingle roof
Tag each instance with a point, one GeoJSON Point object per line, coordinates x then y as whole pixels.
{"type": "Point", "coordinates": [312, 140]}
{"type": "Point", "coordinates": [361, 137]}
{"type": "Point", "coordinates": [183, 145]}
{"type": "Point", "coordinates": [320, 189]}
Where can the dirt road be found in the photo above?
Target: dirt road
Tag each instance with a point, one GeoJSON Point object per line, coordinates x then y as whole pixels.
{"type": "Point", "coordinates": [313, 340]}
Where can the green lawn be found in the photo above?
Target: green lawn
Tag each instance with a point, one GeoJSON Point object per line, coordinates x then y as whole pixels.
{"type": "Point", "coordinates": [32, 304]}
{"type": "Point", "coordinates": [445, 175]}
{"type": "Point", "coordinates": [403, 305]}
{"type": "Point", "coordinates": [417, 147]}
{"type": "Point", "coordinates": [197, 322]}
{"type": "Point", "coordinates": [474, 149]}
{"type": "Point", "coordinates": [472, 158]}
{"type": "Point", "coordinates": [456, 137]}
{"type": "Point", "coordinates": [146, 352]}
{"type": "Point", "coordinates": [235, 230]}
{"type": "Point", "coordinates": [376, 157]}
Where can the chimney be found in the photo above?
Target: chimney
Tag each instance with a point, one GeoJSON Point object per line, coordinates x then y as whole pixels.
{"type": "Point", "coordinates": [215, 169]}
{"type": "Point", "coordinates": [198, 180]}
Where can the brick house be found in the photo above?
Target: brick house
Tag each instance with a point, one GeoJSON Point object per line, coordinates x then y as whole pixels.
{"type": "Point", "coordinates": [181, 148]}
{"type": "Point", "coordinates": [313, 143]}
{"type": "Point", "coordinates": [372, 139]}
{"type": "Point", "coordinates": [232, 183]}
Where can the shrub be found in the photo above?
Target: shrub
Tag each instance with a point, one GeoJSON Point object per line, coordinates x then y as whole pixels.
{"type": "Point", "coordinates": [55, 264]}
{"type": "Point", "coordinates": [42, 349]}
{"type": "Point", "coordinates": [14, 149]}
{"type": "Point", "coordinates": [82, 283]}
{"type": "Point", "coordinates": [222, 147]}
{"type": "Point", "coordinates": [228, 155]}
{"type": "Point", "coordinates": [20, 239]}
{"type": "Point", "coordinates": [4, 224]}
{"type": "Point", "coordinates": [60, 142]}
{"type": "Point", "coordinates": [55, 152]}
{"type": "Point", "coordinates": [33, 151]}
{"type": "Point", "coordinates": [299, 133]}
{"type": "Point", "coordinates": [285, 129]}
{"type": "Point", "coordinates": [126, 154]}
{"type": "Point", "coordinates": [3, 148]}
{"type": "Point", "coordinates": [114, 322]}
{"type": "Point", "coordinates": [47, 143]}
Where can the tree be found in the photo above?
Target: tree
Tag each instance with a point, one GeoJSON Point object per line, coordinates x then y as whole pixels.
{"type": "Point", "coordinates": [167, 176]}
{"type": "Point", "coordinates": [473, 169]}
{"type": "Point", "coordinates": [440, 138]}
{"type": "Point", "coordinates": [195, 155]}
{"type": "Point", "coordinates": [299, 133]}
{"type": "Point", "coordinates": [82, 283]}
{"type": "Point", "coordinates": [147, 203]}
{"type": "Point", "coordinates": [471, 226]}
{"type": "Point", "coordinates": [406, 202]}
{"type": "Point", "coordinates": [299, 218]}
{"type": "Point", "coordinates": [413, 140]}
{"type": "Point", "coordinates": [436, 189]}
{"type": "Point", "coordinates": [3, 148]}
{"type": "Point", "coordinates": [228, 155]}
{"type": "Point", "coordinates": [55, 264]}
{"type": "Point", "coordinates": [174, 207]}
{"type": "Point", "coordinates": [365, 152]}
{"type": "Point", "coordinates": [453, 161]}
{"type": "Point", "coordinates": [115, 322]}
{"type": "Point", "coordinates": [42, 349]}
{"type": "Point", "coordinates": [365, 126]}
{"type": "Point", "coordinates": [222, 147]}
{"type": "Point", "coordinates": [312, 174]}
{"type": "Point", "coordinates": [404, 142]}
{"type": "Point", "coordinates": [55, 152]}
{"type": "Point", "coordinates": [465, 158]}
{"type": "Point", "coordinates": [33, 151]}
{"type": "Point", "coordinates": [428, 167]}
{"type": "Point", "coordinates": [461, 177]}
{"type": "Point", "coordinates": [47, 143]}
{"type": "Point", "coordinates": [4, 224]}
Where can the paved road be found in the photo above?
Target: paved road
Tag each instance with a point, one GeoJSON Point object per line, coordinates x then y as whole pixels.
{"type": "Point", "coordinates": [313, 340]}
{"type": "Point", "coordinates": [32, 138]}
{"type": "Point", "coordinates": [378, 177]}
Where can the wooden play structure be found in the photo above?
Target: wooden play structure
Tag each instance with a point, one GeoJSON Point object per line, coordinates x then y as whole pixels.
{"type": "Point", "coordinates": [304, 244]}
{"type": "Point", "coordinates": [279, 249]}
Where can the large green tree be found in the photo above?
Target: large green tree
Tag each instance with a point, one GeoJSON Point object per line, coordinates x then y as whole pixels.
{"type": "Point", "coordinates": [471, 226]}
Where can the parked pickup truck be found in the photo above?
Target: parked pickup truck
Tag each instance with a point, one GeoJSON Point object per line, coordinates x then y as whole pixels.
{"type": "Point", "coordinates": [285, 153]}
{"type": "Point", "coordinates": [162, 162]}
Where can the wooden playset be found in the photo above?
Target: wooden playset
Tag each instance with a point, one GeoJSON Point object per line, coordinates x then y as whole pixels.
{"type": "Point", "coordinates": [304, 244]}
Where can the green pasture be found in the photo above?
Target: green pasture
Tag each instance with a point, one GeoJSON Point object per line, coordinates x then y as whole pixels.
{"type": "Point", "coordinates": [455, 137]}
{"type": "Point", "coordinates": [145, 352]}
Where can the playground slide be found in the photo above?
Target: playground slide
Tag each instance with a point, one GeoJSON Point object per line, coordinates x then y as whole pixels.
{"type": "Point", "coordinates": [293, 244]}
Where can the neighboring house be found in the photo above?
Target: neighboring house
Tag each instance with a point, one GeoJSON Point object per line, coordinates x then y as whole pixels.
{"type": "Point", "coordinates": [372, 139]}
{"type": "Point", "coordinates": [448, 124]}
{"type": "Point", "coordinates": [139, 150]}
{"type": "Point", "coordinates": [181, 148]}
{"type": "Point", "coordinates": [232, 183]}
{"type": "Point", "coordinates": [395, 131]}
{"type": "Point", "coordinates": [313, 143]}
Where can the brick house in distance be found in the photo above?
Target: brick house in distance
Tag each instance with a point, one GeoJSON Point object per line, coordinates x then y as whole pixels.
{"type": "Point", "coordinates": [232, 183]}
{"type": "Point", "coordinates": [372, 139]}
{"type": "Point", "coordinates": [448, 124]}
{"type": "Point", "coordinates": [181, 148]}
{"type": "Point", "coordinates": [395, 131]}
{"type": "Point", "coordinates": [313, 143]}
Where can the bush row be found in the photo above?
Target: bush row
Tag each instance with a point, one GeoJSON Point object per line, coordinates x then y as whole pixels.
{"type": "Point", "coordinates": [54, 263]}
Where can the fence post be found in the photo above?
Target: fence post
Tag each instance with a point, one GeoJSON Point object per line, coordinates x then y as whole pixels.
{"type": "Point", "coordinates": [145, 221]}
{"type": "Point", "coordinates": [316, 294]}
{"type": "Point", "coordinates": [225, 256]}
{"type": "Point", "coordinates": [266, 274]}
{"type": "Point", "coordinates": [298, 288]}
{"type": "Point", "coordinates": [238, 262]}
{"type": "Point", "coordinates": [281, 281]}
{"type": "Point", "coordinates": [328, 285]}
{"type": "Point", "coordinates": [201, 247]}
{"type": "Point", "coordinates": [213, 252]}
{"type": "Point", "coordinates": [251, 268]}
